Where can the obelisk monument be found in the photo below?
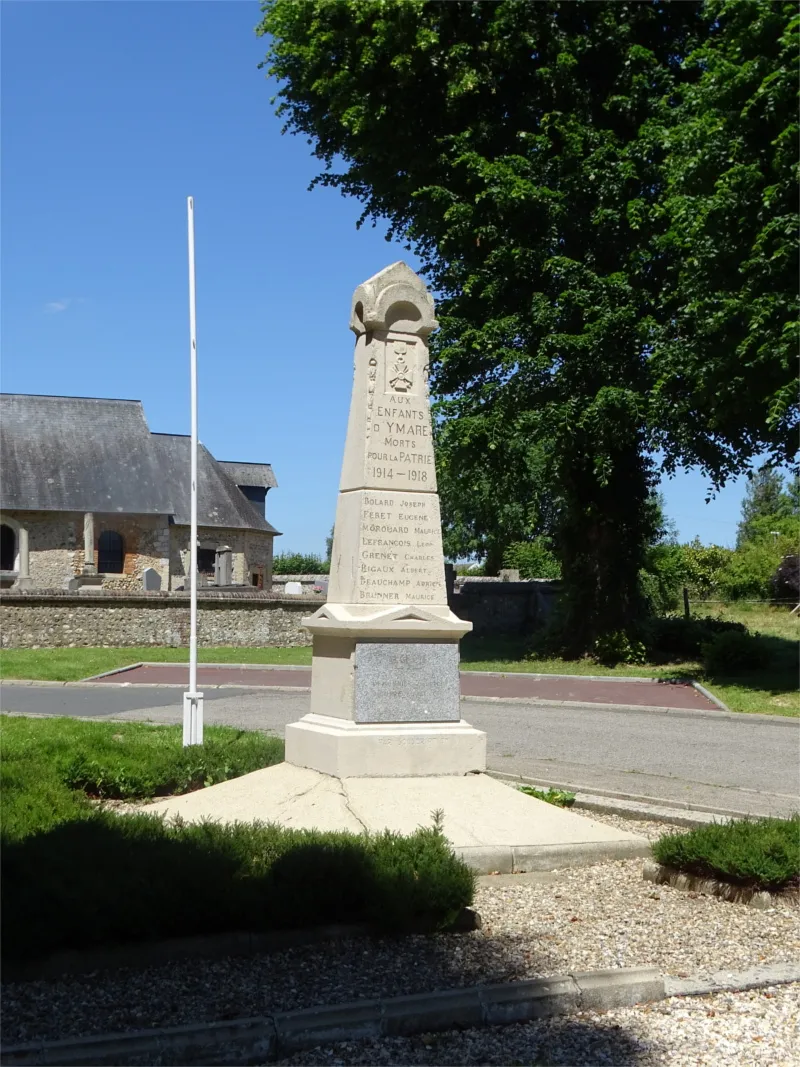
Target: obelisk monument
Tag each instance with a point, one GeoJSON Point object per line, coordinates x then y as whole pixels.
{"type": "Point", "coordinates": [385, 683]}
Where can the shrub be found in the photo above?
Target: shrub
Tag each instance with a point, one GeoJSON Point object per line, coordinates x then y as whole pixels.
{"type": "Point", "coordinates": [533, 559]}
{"type": "Point", "coordinates": [298, 563]}
{"type": "Point", "coordinates": [759, 853]}
{"type": "Point", "coordinates": [702, 565]}
{"type": "Point", "coordinates": [619, 647]}
{"type": "Point", "coordinates": [748, 572]}
{"type": "Point", "coordinates": [110, 879]}
{"type": "Point", "coordinates": [681, 638]}
{"type": "Point", "coordinates": [734, 653]}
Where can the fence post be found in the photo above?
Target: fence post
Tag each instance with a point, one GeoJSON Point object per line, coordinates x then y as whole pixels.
{"type": "Point", "coordinates": [686, 612]}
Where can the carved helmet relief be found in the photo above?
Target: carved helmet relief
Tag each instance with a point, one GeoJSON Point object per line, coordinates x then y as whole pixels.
{"type": "Point", "coordinates": [401, 376]}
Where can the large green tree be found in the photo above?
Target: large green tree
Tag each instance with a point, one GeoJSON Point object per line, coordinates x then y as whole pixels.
{"type": "Point", "coordinates": [521, 150]}
{"type": "Point", "coordinates": [725, 358]}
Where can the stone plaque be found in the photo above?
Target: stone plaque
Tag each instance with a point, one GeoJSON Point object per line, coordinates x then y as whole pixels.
{"type": "Point", "coordinates": [406, 682]}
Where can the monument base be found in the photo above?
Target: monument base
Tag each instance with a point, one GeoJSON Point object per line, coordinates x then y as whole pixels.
{"type": "Point", "coordinates": [346, 749]}
{"type": "Point", "coordinates": [493, 828]}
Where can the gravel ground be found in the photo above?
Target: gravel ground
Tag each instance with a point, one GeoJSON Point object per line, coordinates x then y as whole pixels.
{"type": "Point", "coordinates": [725, 1030]}
{"type": "Point", "coordinates": [589, 918]}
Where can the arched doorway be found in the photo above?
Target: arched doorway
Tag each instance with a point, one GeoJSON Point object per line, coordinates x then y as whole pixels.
{"type": "Point", "coordinates": [8, 548]}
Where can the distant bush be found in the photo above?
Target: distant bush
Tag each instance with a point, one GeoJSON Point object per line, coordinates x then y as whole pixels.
{"type": "Point", "coordinates": [760, 853]}
{"type": "Point", "coordinates": [702, 565]}
{"type": "Point", "coordinates": [662, 578]}
{"type": "Point", "coordinates": [533, 559]}
{"type": "Point", "coordinates": [297, 563]}
{"type": "Point", "coordinates": [472, 570]}
{"type": "Point", "coordinates": [734, 653]}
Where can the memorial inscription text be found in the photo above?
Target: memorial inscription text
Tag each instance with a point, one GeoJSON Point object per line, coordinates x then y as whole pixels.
{"type": "Point", "coordinates": [399, 551]}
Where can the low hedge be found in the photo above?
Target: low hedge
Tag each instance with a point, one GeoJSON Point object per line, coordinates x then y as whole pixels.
{"type": "Point", "coordinates": [111, 879]}
{"type": "Point", "coordinates": [756, 853]}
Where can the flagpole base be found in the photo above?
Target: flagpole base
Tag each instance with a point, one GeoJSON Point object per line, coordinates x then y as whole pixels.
{"type": "Point", "coordinates": [192, 719]}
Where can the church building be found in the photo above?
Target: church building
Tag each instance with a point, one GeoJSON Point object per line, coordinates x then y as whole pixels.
{"type": "Point", "coordinates": [89, 496]}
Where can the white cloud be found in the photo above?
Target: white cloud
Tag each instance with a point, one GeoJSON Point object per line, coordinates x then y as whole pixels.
{"type": "Point", "coordinates": [54, 306]}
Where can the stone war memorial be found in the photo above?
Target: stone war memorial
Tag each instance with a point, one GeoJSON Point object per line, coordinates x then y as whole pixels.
{"type": "Point", "coordinates": [385, 685]}
{"type": "Point", "coordinates": [384, 745]}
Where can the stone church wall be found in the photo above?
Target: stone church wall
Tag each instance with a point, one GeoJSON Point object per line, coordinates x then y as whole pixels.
{"type": "Point", "coordinates": [251, 551]}
{"type": "Point", "coordinates": [56, 549]}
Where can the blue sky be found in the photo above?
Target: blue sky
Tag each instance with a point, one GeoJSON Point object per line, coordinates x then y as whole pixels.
{"type": "Point", "coordinates": [113, 113]}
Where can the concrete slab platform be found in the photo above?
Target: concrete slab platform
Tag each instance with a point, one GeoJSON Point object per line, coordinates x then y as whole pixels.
{"type": "Point", "coordinates": [493, 826]}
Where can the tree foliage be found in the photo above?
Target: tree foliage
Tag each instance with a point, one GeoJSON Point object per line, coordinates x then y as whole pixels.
{"type": "Point", "coordinates": [767, 508]}
{"type": "Point", "coordinates": [523, 151]}
{"type": "Point", "coordinates": [725, 356]}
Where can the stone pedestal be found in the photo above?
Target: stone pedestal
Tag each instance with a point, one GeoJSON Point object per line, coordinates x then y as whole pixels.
{"type": "Point", "coordinates": [385, 680]}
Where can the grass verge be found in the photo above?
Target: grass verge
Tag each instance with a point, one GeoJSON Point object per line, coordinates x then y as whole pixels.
{"type": "Point", "coordinates": [73, 664]}
{"type": "Point", "coordinates": [759, 853]}
{"type": "Point", "coordinates": [75, 875]}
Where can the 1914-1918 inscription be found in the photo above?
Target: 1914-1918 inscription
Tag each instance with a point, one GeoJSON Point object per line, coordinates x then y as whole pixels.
{"type": "Point", "coordinates": [399, 552]}
{"type": "Point", "coordinates": [399, 449]}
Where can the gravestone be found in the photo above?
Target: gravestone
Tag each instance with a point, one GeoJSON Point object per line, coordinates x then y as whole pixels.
{"type": "Point", "coordinates": [385, 682]}
{"type": "Point", "coordinates": [293, 588]}
{"type": "Point", "coordinates": [223, 566]}
{"type": "Point", "coordinates": [151, 580]}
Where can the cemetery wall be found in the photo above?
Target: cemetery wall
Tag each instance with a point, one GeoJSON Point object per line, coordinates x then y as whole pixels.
{"type": "Point", "coordinates": [496, 607]}
{"type": "Point", "coordinates": [55, 619]}
{"type": "Point", "coordinates": [61, 620]}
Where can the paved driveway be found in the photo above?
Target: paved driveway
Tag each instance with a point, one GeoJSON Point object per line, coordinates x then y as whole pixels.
{"type": "Point", "coordinates": [740, 763]}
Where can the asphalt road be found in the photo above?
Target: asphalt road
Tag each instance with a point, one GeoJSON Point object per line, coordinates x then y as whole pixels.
{"type": "Point", "coordinates": [742, 763]}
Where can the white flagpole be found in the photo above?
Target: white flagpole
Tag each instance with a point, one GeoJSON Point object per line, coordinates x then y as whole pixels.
{"type": "Point", "coordinates": [193, 701]}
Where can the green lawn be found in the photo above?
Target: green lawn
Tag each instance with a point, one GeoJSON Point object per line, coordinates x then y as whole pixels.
{"type": "Point", "coordinates": [772, 690]}
{"type": "Point", "coordinates": [72, 664]}
{"type": "Point", "coordinates": [75, 874]}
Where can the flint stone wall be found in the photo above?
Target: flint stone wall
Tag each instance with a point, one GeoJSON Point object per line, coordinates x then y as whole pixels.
{"type": "Point", "coordinates": [55, 619]}
{"type": "Point", "coordinates": [60, 620]}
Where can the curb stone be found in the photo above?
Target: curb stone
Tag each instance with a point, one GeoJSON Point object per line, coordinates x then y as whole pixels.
{"type": "Point", "coordinates": [661, 874]}
{"type": "Point", "coordinates": [764, 974]}
{"type": "Point", "coordinates": [269, 1037]}
{"type": "Point", "coordinates": [631, 804]}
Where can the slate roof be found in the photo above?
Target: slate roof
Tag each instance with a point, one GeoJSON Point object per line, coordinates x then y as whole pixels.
{"type": "Point", "coordinates": [65, 453]}
{"type": "Point", "coordinates": [219, 501]}
{"type": "Point", "coordinates": [260, 474]}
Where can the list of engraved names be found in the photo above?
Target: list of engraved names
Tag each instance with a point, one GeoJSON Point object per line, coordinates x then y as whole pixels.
{"type": "Point", "coordinates": [400, 549]}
